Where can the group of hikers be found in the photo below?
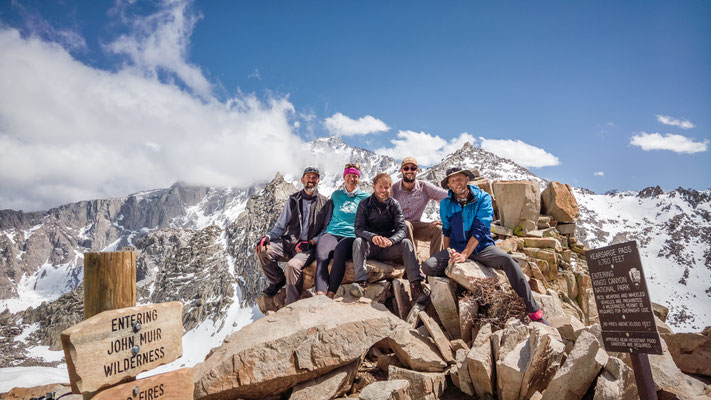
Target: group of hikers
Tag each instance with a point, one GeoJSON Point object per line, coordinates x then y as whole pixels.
{"type": "Point", "coordinates": [384, 226]}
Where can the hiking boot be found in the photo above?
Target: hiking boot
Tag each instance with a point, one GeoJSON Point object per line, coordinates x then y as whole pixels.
{"type": "Point", "coordinates": [357, 289]}
{"type": "Point", "coordinates": [273, 288]}
{"type": "Point", "coordinates": [537, 316]}
{"type": "Point", "coordinates": [420, 292]}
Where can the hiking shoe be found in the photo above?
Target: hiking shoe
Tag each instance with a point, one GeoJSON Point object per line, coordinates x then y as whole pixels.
{"type": "Point", "coordinates": [538, 317]}
{"type": "Point", "coordinates": [420, 292]}
{"type": "Point", "coordinates": [274, 288]}
{"type": "Point", "coordinates": [357, 289]}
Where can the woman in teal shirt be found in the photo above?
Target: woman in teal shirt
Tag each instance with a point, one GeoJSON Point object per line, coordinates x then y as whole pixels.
{"type": "Point", "coordinates": [337, 241]}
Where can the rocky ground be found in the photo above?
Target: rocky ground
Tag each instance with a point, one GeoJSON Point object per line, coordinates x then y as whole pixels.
{"type": "Point", "coordinates": [473, 340]}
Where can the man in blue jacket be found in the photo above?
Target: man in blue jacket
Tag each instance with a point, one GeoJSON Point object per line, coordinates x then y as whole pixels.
{"type": "Point", "coordinates": [466, 225]}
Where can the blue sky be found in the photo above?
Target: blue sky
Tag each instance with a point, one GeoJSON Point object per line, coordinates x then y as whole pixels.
{"type": "Point", "coordinates": [606, 95]}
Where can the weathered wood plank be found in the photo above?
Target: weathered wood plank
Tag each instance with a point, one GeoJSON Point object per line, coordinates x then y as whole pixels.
{"type": "Point", "coordinates": [117, 345]}
{"type": "Point", "coordinates": [174, 385]}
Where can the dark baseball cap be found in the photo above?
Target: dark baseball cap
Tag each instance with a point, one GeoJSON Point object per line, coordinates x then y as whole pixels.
{"type": "Point", "coordinates": [312, 170]}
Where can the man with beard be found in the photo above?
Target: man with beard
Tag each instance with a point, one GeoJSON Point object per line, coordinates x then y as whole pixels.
{"type": "Point", "coordinates": [466, 223]}
{"type": "Point", "coordinates": [380, 235]}
{"type": "Point", "coordinates": [413, 196]}
{"type": "Point", "coordinates": [294, 238]}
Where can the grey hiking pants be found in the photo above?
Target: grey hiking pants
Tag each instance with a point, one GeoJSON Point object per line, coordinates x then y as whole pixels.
{"type": "Point", "coordinates": [295, 263]}
{"type": "Point", "coordinates": [493, 257]}
{"type": "Point", "coordinates": [363, 249]}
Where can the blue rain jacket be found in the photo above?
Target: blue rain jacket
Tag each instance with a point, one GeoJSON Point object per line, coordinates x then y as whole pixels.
{"type": "Point", "coordinates": [474, 219]}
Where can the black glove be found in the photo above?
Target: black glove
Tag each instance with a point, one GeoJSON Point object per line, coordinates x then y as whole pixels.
{"type": "Point", "coordinates": [304, 245]}
{"type": "Point", "coordinates": [264, 241]}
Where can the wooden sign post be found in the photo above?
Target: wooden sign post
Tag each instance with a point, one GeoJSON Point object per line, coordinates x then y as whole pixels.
{"type": "Point", "coordinates": [109, 281]}
{"type": "Point", "coordinates": [117, 345]}
{"type": "Point", "coordinates": [174, 385]}
{"type": "Point", "coordinates": [625, 309]}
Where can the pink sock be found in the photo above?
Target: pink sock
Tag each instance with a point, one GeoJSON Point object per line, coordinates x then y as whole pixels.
{"type": "Point", "coordinates": [535, 316]}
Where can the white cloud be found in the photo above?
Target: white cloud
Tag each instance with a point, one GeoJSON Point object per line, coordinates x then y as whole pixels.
{"type": "Point", "coordinates": [37, 26]}
{"type": "Point", "coordinates": [675, 143]}
{"type": "Point", "coordinates": [426, 148]}
{"type": "Point", "coordinates": [159, 43]}
{"type": "Point", "coordinates": [599, 173]}
{"type": "Point", "coordinates": [255, 74]}
{"type": "Point", "coordinates": [341, 125]}
{"type": "Point", "coordinates": [667, 120]}
{"type": "Point", "coordinates": [71, 132]}
{"type": "Point", "coordinates": [520, 152]}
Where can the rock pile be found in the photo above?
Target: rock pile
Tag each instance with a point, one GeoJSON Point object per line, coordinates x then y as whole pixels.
{"type": "Point", "coordinates": [473, 339]}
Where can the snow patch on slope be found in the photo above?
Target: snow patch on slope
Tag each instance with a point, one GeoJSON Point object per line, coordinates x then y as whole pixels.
{"type": "Point", "coordinates": [674, 277]}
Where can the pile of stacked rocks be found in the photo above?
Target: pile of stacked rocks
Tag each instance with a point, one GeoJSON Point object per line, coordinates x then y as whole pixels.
{"type": "Point", "coordinates": [472, 340]}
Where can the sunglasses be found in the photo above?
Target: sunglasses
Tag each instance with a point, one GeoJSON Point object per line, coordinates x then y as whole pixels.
{"type": "Point", "coordinates": [409, 169]}
{"type": "Point", "coordinates": [354, 165]}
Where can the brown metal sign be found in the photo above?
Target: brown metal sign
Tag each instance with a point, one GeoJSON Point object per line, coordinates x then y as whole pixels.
{"type": "Point", "coordinates": [622, 299]}
{"type": "Point", "coordinates": [115, 345]}
{"type": "Point", "coordinates": [175, 385]}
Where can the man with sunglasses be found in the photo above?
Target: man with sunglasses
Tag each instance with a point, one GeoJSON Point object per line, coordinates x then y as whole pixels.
{"type": "Point", "coordinates": [413, 196]}
{"type": "Point", "coordinates": [294, 237]}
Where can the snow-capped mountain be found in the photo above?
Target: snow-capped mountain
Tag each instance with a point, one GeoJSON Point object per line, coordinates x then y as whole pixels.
{"type": "Point", "coordinates": [673, 234]}
{"type": "Point", "coordinates": [488, 164]}
{"type": "Point", "coordinates": [190, 234]}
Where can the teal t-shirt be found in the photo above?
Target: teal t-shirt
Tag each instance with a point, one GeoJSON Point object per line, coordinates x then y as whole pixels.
{"type": "Point", "coordinates": [344, 213]}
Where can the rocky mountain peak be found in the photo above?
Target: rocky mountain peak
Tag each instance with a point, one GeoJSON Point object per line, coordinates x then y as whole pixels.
{"type": "Point", "coordinates": [489, 165]}
{"type": "Point", "coordinates": [331, 142]}
{"type": "Point", "coordinates": [691, 196]}
{"type": "Point", "coordinates": [650, 192]}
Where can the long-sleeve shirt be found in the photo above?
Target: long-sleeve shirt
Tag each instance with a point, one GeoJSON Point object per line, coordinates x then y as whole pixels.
{"type": "Point", "coordinates": [473, 219]}
{"type": "Point", "coordinates": [413, 203]}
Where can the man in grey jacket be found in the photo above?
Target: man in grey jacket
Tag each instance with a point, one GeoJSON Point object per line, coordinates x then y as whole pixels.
{"type": "Point", "coordinates": [293, 239]}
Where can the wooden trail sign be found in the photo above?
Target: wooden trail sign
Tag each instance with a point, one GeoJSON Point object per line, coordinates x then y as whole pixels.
{"type": "Point", "coordinates": [116, 345]}
{"type": "Point", "coordinates": [175, 385]}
